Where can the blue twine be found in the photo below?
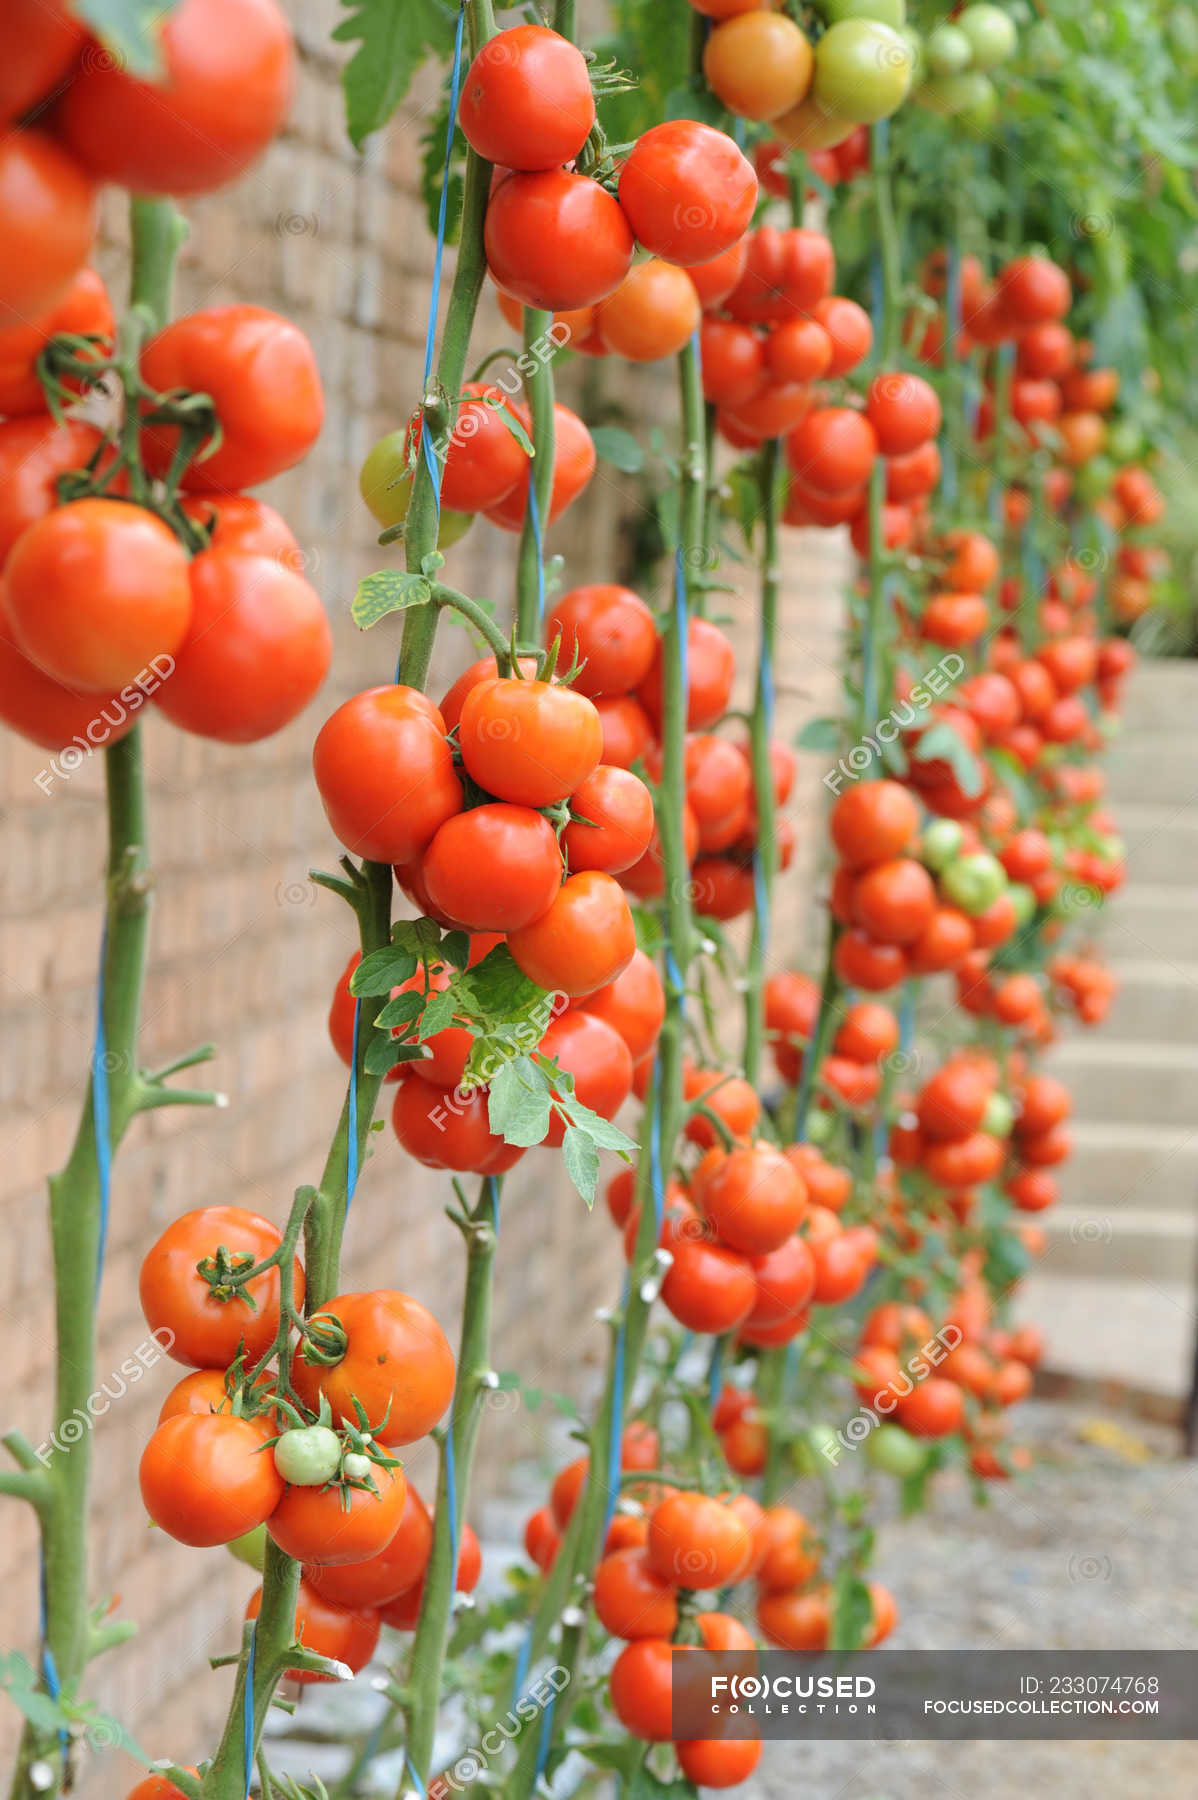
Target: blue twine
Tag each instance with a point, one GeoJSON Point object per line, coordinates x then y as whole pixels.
{"type": "Point", "coordinates": [434, 306]}
{"type": "Point", "coordinates": [615, 1442]}
{"type": "Point", "coordinates": [523, 1659]}
{"type": "Point", "coordinates": [411, 1768]}
{"type": "Point", "coordinates": [545, 1738]}
{"type": "Point", "coordinates": [715, 1372]}
{"type": "Point", "coordinates": [493, 1192]}
{"type": "Point", "coordinates": [50, 1679]}
{"type": "Point", "coordinates": [101, 1125]}
{"type": "Point", "coordinates": [534, 514]}
{"type": "Point", "coordinates": [247, 1718]}
{"type": "Point", "coordinates": [351, 1148]}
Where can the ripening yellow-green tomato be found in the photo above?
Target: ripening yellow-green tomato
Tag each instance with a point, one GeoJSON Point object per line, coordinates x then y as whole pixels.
{"type": "Point", "coordinates": [385, 483]}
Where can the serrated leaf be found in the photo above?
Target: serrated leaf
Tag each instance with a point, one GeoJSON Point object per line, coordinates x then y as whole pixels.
{"type": "Point", "coordinates": [455, 948]}
{"type": "Point", "coordinates": [852, 1610]}
{"type": "Point", "coordinates": [394, 38]}
{"type": "Point", "coordinates": [131, 29]}
{"type": "Point", "coordinates": [387, 591]}
{"type": "Point", "coordinates": [582, 1161]}
{"type": "Point", "coordinates": [383, 1052]}
{"type": "Point", "coordinates": [606, 1135]}
{"type": "Point", "coordinates": [616, 446]}
{"type": "Point", "coordinates": [382, 970]}
{"type": "Point", "coordinates": [518, 1108]}
{"type": "Point", "coordinates": [421, 936]}
{"type": "Point", "coordinates": [402, 1010]}
{"type": "Point", "coordinates": [439, 1011]}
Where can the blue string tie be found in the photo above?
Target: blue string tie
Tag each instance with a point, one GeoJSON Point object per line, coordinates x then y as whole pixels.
{"type": "Point", "coordinates": [101, 1121]}
{"type": "Point", "coordinates": [351, 1148]}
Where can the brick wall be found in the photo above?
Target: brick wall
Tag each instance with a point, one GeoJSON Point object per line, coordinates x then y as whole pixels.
{"type": "Point", "coordinates": [245, 952]}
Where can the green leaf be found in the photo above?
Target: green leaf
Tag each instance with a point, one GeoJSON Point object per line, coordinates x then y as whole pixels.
{"type": "Point", "coordinates": [394, 38]}
{"type": "Point", "coordinates": [519, 1105]}
{"type": "Point", "coordinates": [383, 1052]}
{"type": "Point", "coordinates": [421, 936]}
{"type": "Point", "coordinates": [387, 591]}
{"type": "Point", "coordinates": [819, 734]}
{"type": "Point", "coordinates": [131, 29]}
{"type": "Point", "coordinates": [402, 1010]}
{"type": "Point", "coordinates": [941, 743]}
{"type": "Point", "coordinates": [382, 970]}
{"type": "Point", "coordinates": [511, 423]}
{"type": "Point", "coordinates": [852, 1610]}
{"type": "Point", "coordinates": [582, 1161]}
{"type": "Point", "coordinates": [616, 446]}
{"type": "Point", "coordinates": [455, 948]}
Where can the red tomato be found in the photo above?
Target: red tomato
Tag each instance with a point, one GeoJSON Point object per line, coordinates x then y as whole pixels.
{"type": "Point", "coordinates": [83, 311]}
{"type": "Point", "coordinates": [713, 281]}
{"type": "Point", "coordinates": [634, 1005]}
{"type": "Point", "coordinates": [687, 191]}
{"type": "Point", "coordinates": [733, 360]}
{"type": "Point", "coordinates": [848, 325]}
{"type": "Point", "coordinates": [832, 449]}
{"type": "Point", "coordinates": [556, 239]}
{"type": "Point", "coordinates": [96, 592]}
{"type": "Point", "coordinates": [631, 1600]}
{"type": "Point", "coordinates": [207, 1322]}
{"type": "Point", "coordinates": [719, 790]}
{"type": "Point", "coordinates": [394, 1570]}
{"type": "Point", "coordinates": [41, 43]}
{"type": "Point", "coordinates": [47, 224]}
{"type": "Point", "coordinates": [333, 1631]}
{"type": "Point", "coordinates": [484, 669]}
{"type": "Point", "coordinates": [894, 901]}
{"type": "Point", "coordinates": [262, 377]}
{"type": "Point", "coordinates": [482, 461]}
{"type": "Point", "coordinates": [872, 822]}
{"type": "Point", "coordinates": [798, 350]}
{"type": "Point", "coordinates": [788, 274]}
{"type": "Point", "coordinates": [396, 1362]}
{"type": "Point", "coordinates": [526, 100]}
{"type": "Point", "coordinates": [256, 652]}
{"type": "Point", "coordinates": [707, 1288]}
{"type": "Point", "coordinates": [51, 715]}
{"type": "Point", "coordinates": [206, 1478]}
{"type": "Point", "coordinates": [1032, 289]}
{"type": "Point", "coordinates": [697, 1541]}
{"type": "Point", "coordinates": [710, 668]}
{"type": "Point", "coordinates": [230, 71]}
{"type": "Point", "coordinates": [652, 313]}
{"type": "Point", "coordinates": [904, 411]}
{"type": "Point", "coordinates": [529, 742]}
{"type": "Point", "coordinates": [336, 1524]}
{"type": "Point", "coordinates": [862, 962]}
{"type": "Point", "coordinates": [641, 1688]}
{"type": "Point", "coordinates": [582, 942]}
{"type": "Point", "coordinates": [617, 809]}
{"type": "Point", "coordinates": [590, 1050]}
{"type": "Point", "coordinates": [752, 1195]}
{"type": "Point", "coordinates": [385, 773]}
{"type": "Point", "coordinates": [730, 1097]}
{"type": "Point", "coordinates": [573, 466]}
{"type": "Point", "coordinates": [446, 1130]}
{"type": "Point", "coordinates": [34, 452]}
{"type": "Point", "coordinates": [609, 631]}
{"type": "Point", "coordinates": [718, 1762]}
{"type": "Point", "coordinates": [494, 868]}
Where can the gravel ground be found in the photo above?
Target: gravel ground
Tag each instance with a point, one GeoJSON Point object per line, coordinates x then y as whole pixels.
{"type": "Point", "coordinates": [1090, 1550]}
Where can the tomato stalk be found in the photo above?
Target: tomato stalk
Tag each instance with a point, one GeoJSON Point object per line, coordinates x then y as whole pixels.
{"type": "Point", "coordinates": [760, 732]}
{"type": "Point", "coordinates": [57, 1483]}
{"type": "Point", "coordinates": [539, 389]}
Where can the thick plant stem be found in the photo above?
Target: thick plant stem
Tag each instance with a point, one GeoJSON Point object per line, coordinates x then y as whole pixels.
{"type": "Point", "coordinates": [538, 387]}
{"type": "Point", "coordinates": [59, 1486]}
{"type": "Point", "coordinates": [889, 245]}
{"type": "Point", "coordinates": [760, 732]}
{"type": "Point", "coordinates": [575, 1563]}
{"type": "Point", "coordinates": [432, 1631]}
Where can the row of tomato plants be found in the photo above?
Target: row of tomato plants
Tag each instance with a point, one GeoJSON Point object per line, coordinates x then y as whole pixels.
{"type": "Point", "coordinates": [827, 1224]}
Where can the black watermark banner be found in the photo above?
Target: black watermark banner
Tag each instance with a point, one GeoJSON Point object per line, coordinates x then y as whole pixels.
{"type": "Point", "coordinates": [937, 1694]}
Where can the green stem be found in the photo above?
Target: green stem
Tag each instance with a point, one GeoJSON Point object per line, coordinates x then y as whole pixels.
{"type": "Point", "coordinates": [60, 1491]}
{"type": "Point", "coordinates": [429, 1644]}
{"type": "Point", "coordinates": [538, 387]}
{"type": "Point", "coordinates": [760, 732]}
{"type": "Point", "coordinates": [888, 246]}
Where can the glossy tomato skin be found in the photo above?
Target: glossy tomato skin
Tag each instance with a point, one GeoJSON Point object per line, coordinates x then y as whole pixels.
{"type": "Point", "coordinates": [47, 223]}
{"type": "Point", "coordinates": [707, 1287]}
{"type": "Point", "coordinates": [203, 1391]}
{"type": "Point", "coordinates": [256, 653]}
{"type": "Point", "coordinates": [734, 359]}
{"type": "Point", "coordinates": [595, 1054]}
{"type": "Point", "coordinates": [261, 374]}
{"type": "Point", "coordinates": [753, 1196]}
{"type": "Point", "coordinates": [557, 240]}
{"type": "Point", "coordinates": [176, 1298]}
{"type": "Point", "coordinates": [872, 822]}
{"type": "Point", "coordinates": [718, 1762]}
{"type": "Point", "coordinates": [608, 630]}
{"type": "Point", "coordinates": [696, 1541]}
{"type": "Point", "coordinates": [41, 43]}
{"type": "Point", "coordinates": [641, 1688]}
{"type": "Point", "coordinates": [385, 773]}
{"type": "Point", "coordinates": [393, 1570]}
{"type": "Point", "coordinates": [832, 449]}
{"type": "Point", "coordinates": [584, 940]}
{"type": "Point", "coordinates": [335, 1525]}
{"type": "Point", "coordinates": [51, 715]}
{"type": "Point", "coordinates": [627, 729]}
{"type": "Point", "coordinates": [573, 465]}
{"type": "Point", "coordinates": [444, 1129]}
{"type": "Point", "coordinates": [529, 742]}
{"type": "Point", "coordinates": [526, 100]}
{"type": "Point", "coordinates": [619, 808]}
{"type": "Point", "coordinates": [483, 461]}
{"type": "Point", "coordinates": [397, 1362]}
{"type": "Point", "coordinates": [494, 868]}
{"type": "Point", "coordinates": [34, 452]}
{"type": "Point", "coordinates": [97, 592]}
{"type": "Point", "coordinates": [230, 71]}
{"type": "Point", "coordinates": [787, 275]}
{"type": "Point", "coordinates": [687, 191]}
{"type": "Point", "coordinates": [346, 1636]}
{"type": "Point", "coordinates": [157, 1787]}
{"type": "Point", "coordinates": [651, 314]}
{"type": "Point", "coordinates": [83, 311]}
{"type": "Point", "coordinates": [711, 669]}
{"type": "Point", "coordinates": [485, 669]}
{"type": "Point", "coordinates": [634, 1005]}
{"type": "Point", "coordinates": [207, 1478]}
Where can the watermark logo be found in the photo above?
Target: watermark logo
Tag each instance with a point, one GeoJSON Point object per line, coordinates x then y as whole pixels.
{"type": "Point", "coordinates": [473, 1763]}
{"type": "Point", "coordinates": [516, 1040]}
{"type": "Point", "coordinates": [867, 1419]}
{"type": "Point", "coordinates": [927, 690]}
{"type": "Point", "coordinates": [75, 1427]}
{"type": "Point", "coordinates": [98, 731]}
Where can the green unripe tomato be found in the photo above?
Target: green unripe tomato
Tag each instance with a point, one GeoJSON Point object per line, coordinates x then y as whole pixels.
{"type": "Point", "coordinates": [809, 1449]}
{"type": "Point", "coordinates": [999, 1116]}
{"type": "Point", "coordinates": [1124, 440]}
{"type": "Point", "coordinates": [885, 12]}
{"type": "Point", "coordinates": [820, 1127]}
{"type": "Point", "coordinates": [974, 882]}
{"type": "Point", "coordinates": [947, 50]}
{"type": "Point", "coordinates": [991, 34]}
{"type": "Point", "coordinates": [895, 1451]}
{"type": "Point", "coordinates": [863, 70]}
{"type": "Point", "coordinates": [1024, 901]}
{"type": "Point", "coordinates": [1045, 48]}
{"type": "Point", "coordinates": [385, 483]}
{"type": "Point", "coordinates": [941, 844]}
{"type": "Point", "coordinates": [356, 1467]}
{"type": "Point", "coordinates": [250, 1548]}
{"type": "Point", "coordinates": [979, 108]}
{"type": "Point", "coordinates": [308, 1456]}
{"type": "Point", "coordinates": [943, 95]}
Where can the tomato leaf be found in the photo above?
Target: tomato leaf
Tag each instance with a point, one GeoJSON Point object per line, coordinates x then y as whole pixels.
{"type": "Point", "coordinates": [402, 1010]}
{"type": "Point", "coordinates": [819, 734]}
{"type": "Point", "coordinates": [518, 1107]}
{"type": "Point", "coordinates": [852, 1610]}
{"type": "Point", "coordinates": [582, 1161]}
{"type": "Point", "coordinates": [382, 970]}
{"type": "Point", "coordinates": [131, 29]}
{"type": "Point", "coordinates": [387, 591]}
{"type": "Point", "coordinates": [616, 446]}
{"type": "Point", "coordinates": [394, 38]}
{"type": "Point", "coordinates": [940, 742]}
{"type": "Point", "coordinates": [455, 947]}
